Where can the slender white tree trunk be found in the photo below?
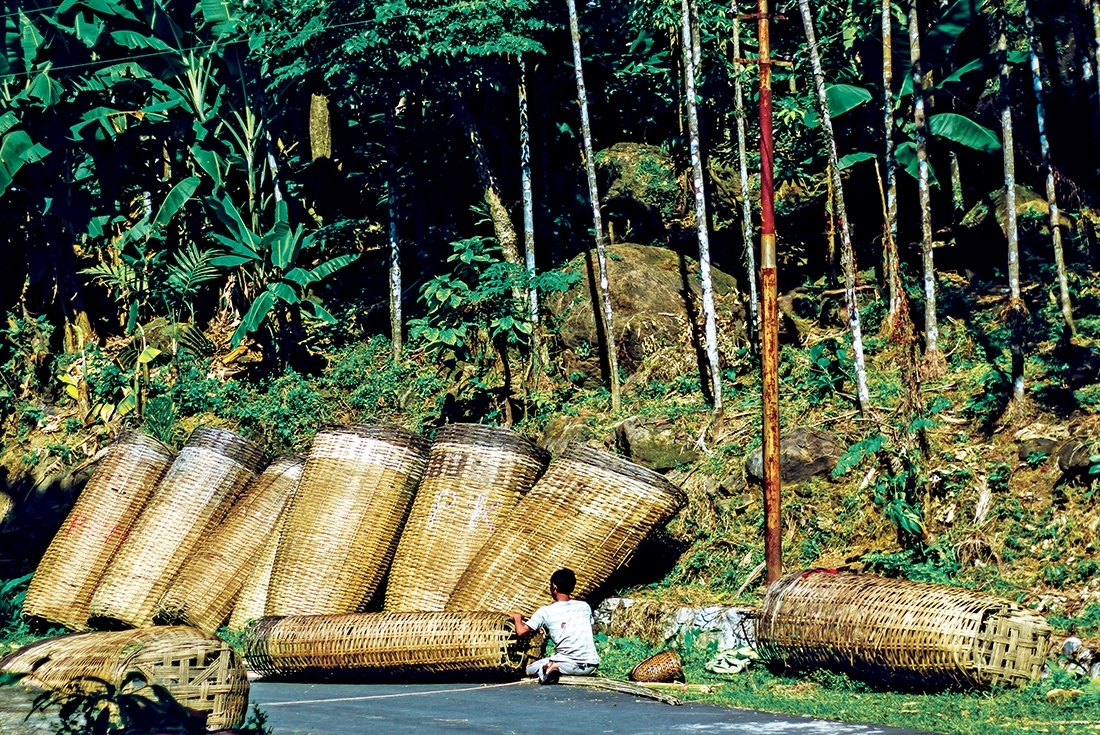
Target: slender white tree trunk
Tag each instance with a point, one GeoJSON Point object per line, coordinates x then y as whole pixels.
{"type": "Point", "coordinates": [747, 234]}
{"type": "Point", "coordinates": [1096, 40]}
{"type": "Point", "coordinates": [932, 356]}
{"type": "Point", "coordinates": [1048, 169]}
{"type": "Point", "coordinates": [396, 320]}
{"type": "Point", "coordinates": [1015, 304]}
{"type": "Point", "coordinates": [847, 257]}
{"type": "Point", "coordinates": [710, 328]}
{"type": "Point", "coordinates": [594, 197]}
{"type": "Point", "coordinates": [893, 272]}
{"type": "Point", "coordinates": [528, 221]}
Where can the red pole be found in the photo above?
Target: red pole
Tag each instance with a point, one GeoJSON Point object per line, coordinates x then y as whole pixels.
{"type": "Point", "coordinates": [769, 323]}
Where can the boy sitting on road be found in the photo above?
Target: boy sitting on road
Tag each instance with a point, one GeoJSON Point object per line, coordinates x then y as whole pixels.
{"type": "Point", "coordinates": [568, 622]}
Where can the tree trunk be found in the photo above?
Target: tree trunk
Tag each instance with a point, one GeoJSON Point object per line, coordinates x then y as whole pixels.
{"type": "Point", "coordinates": [594, 197]}
{"type": "Point", "coordinates": [893, 271]}
{"type": "Point", "coordinates": [396, 320]}
{"type": "Point", "coordinates": [503, 228]}
{"type": "Point", "coordinates": [958, 203]}
{"type": "Point", "coordinates": [746, 206]}
{"type": "Point", "coordinates": [1015, 304]}
{"type": "Point", "coordinates": [1096, 44]}
{"type": "Point", "coordinates": [1048, 169]}
{"type": "Point", "coordinates": [529, 223]}
{"type": "Point", "coordinates": [710, 328]}
{"type": "Point", "coordinates": [847, 257]}
{"type": "Point", "coordinates": [932, 357]}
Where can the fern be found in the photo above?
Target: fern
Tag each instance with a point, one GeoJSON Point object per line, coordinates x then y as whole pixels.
{"type": "Point", "coordinates": [189, 268]}
{"type": "Point", "coordinates": [114, 275]}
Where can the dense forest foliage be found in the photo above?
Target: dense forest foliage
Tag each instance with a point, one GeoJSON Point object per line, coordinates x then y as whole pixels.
{"type": "Point", "coordinates": [279, 215]}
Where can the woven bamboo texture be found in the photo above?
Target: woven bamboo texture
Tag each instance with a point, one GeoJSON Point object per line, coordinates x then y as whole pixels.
{"type": "Point", "coordinates": [61, 588]}
{"type": "Point", "coordinates": [884, 628]}
{"type": "Point", "coordinates": [406, 645]}
{"type": "Point", "coordinates": [664, 666]}
{"type": "Point", "coordinates": [205, 479]}
{"type": "Point", "coordinates": [252, 600]}
{"type": "Point", "coordinates": [475, 476]}
{"type": "Point", "coordinates": [343, 524]}
{"type": "Point", "coordinates": [207, 585]}
{"type": "Point", "coordinates": [200, 671]}
{"type": "Point", "coordinates": [588, 512]}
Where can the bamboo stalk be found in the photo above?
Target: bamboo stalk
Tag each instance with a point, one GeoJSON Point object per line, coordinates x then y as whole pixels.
{"type": "Point", "coordinates": [622, 687]}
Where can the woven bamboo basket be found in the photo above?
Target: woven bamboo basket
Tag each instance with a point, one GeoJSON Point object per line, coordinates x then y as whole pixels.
{"type": "Point", "coordinates": [252, 600]}
{"type": "Point", "coordinates": [342, 526]}
{"type": "Point", "coordinates": [104, 513]}
{"type": "Point", "coordinates": [409, 645]}
{"type": "Point", "coordinates": [883, 628]}
{"type": "Point", "coordinates": [208, 475]}
{"type": "Point", "coordinates": [207, 585]}
{"type": "Point", "coordinates": [660, 667]}
{"type": "Point", "coordinates": [200, 671]}
{"type": "Point", "coordinates": [475, 476]}
{"type": "Point", "coordinates": [588, 512]}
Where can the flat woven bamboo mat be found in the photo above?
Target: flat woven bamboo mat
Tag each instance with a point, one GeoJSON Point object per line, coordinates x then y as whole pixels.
{"type": "Point", "coordinates": [204, 590]}
{"type": "Point", "coordinates": [343, 524]}
{"type": "Point", "coordinates": [61, 588]}
{"type": "Point", "coordinates": [475, 476]}
{"type": "Point", "coordinates": [886, 628]}
{"type": "Point", "coordinates": [588, 512]}
{"type": "Point", "coordinates": [210, 472]}
{"type": "Point", "coordinates": [408, 645]}
{"type": "Point", "coordinates": [199, 670]}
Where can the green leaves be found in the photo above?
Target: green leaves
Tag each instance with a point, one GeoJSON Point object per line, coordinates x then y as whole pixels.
{"type": "Point", "coordinates": [845, 97]}
{"type": "Point", "coordinates": [964, 131]}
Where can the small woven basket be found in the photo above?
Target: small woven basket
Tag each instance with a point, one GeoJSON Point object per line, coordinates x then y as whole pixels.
{"type": "Point", "coordinates": [407, 645]}
{"type": "Point", "coordinates": [660, 667]}
{"type": "Point", "coordinates": [61, 589]}
{"type": "Point", "coordinates": [588, 512]}
{"type": "Point", "coordinates": [200, 671]}
{"type": "Point", "coordinates": [210, 472]}
{"type": "Point", "coordinates": [882, 628]}
{"type": "Point", "coordinates": [252, 600]}
{"type": "Point", "coordinates": [474, 478]}
{"type": "Point", "coordinates": [204, 590]}
{"type": "Point", "coordinates": [343, 524]}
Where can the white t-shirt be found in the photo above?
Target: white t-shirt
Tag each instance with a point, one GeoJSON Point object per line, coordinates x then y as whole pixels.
{"type": "Point", "coordinates": [569, 625]}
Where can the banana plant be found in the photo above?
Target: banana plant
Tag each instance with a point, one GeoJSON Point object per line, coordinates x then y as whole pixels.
{"type": "Point", "coordinates": [269, 266]}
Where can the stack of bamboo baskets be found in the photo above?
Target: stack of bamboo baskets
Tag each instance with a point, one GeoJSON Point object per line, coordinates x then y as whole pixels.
{"type": "Point", "coordinates": [467, 527]}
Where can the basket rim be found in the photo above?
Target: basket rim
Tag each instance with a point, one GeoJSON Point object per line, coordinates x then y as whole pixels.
{"type": "Point", "coordinates": [489, 435]}
{"type": "Point", "coordinates": [601, 459]}
{"type": "Point", "coordinates": [390, 433]}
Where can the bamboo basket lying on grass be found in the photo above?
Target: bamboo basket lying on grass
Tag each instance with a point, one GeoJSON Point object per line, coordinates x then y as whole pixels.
{"type": "Point", "coordinates": [410, 645]}
{"type": "Point", "coordinates": [203, 592]}
{"type": "Point", "coordinates": [342, 526]}
{"type": "Point", "coordinates": [882, 628]}
{"type": "Point", "coordinates": [62, 586]}
{"type": "Point", "coordinates": [200, 671]}
{"type": "Point", "coordinates": [207, 476]}
{"type": "Point", "coordinates": [589, 512]}
{"type": "Point", "coordinates": [474, 478]}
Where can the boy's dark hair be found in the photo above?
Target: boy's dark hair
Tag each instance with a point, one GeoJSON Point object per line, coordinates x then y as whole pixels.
{"type": "Point", "coordinates": [565, 580]}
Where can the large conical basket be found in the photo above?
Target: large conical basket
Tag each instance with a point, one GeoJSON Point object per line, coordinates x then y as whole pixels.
{"type": "Point", "coordinates": [589, 512]}
{"type": "Point", "coordinates": [475, 476]}
{"type": "Point", "coordinates": [204, 590]}
{"type": "Point", "coordinates": [210, 472]}
{"type": "Point", "coordinates": [62, 587]}
{"type": "Point", "coordinates": [407, 645]}
{"type": "Point", "coordinates": [894, 629]}
{"type": "Point", "coordinates": [252, 600]}
{"type": "Point", "coordinates": [342, 527]}
{"type": "Point", "coordinates": [200, 671]}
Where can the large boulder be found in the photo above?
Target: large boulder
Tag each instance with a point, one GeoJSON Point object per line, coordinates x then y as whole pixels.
{"type": "Point", "coordinates": [656, 304]}
{"type": "Point", "coordinates": [642, 193]}
{"type": "Point", "coordinates": [803, 453]}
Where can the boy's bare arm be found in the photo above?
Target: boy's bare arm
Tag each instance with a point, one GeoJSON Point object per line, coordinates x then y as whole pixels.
{"type": "Point", "coordinates": [522, 628]}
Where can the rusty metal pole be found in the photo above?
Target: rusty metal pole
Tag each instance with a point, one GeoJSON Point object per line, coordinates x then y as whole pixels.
{"type": "Point", "coordinates": [769, 322]}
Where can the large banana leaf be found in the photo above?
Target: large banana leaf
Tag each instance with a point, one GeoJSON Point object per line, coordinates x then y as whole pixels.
{"type": "Point", "coordinates": [906, 156]}
{"type": "Point", "coordinates": [179, 195]}
{"type": "Point", "coordinates": [964, 131]}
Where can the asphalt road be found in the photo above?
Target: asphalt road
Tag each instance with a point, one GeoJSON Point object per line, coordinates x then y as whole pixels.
{"type": "Point", "coordinates": [527, 709]}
